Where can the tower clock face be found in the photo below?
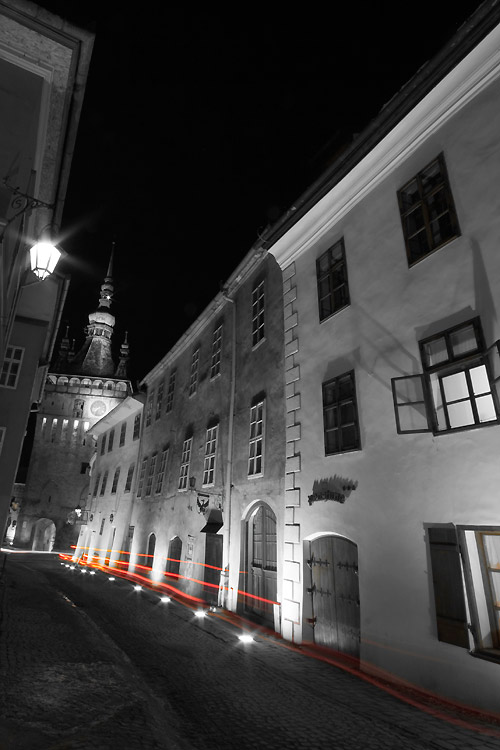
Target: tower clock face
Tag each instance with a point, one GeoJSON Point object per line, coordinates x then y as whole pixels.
{"type": "Point", "coordinates": [98, 408]}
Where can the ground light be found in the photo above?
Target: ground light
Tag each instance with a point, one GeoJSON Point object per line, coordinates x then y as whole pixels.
{"type": "Point", "coordinates": [165, 599]}
{"type": "Point", "coordinates": [200, 613]}
{"type": "Point", "coordinates": [92, 572]}
{"type": "Point", "coordinates": [136, 588]}
{"type": "Point", "coordinates": [245, 638]}
{"type": "Point", "coordinates": [111, 578]}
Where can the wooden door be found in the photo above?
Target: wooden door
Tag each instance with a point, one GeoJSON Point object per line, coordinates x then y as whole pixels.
{"type": "Point", "coordinates": [213, 565]}
{"type": "Point", "coordinates": [262, 564]}
{"type": "Point", "coordinates": [174, 557]}
{"type": "Point", "coordinates": [335, 594]}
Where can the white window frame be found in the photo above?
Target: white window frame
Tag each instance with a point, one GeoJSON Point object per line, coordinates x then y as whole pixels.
{"type": "Point", "coordinates": [216, 352]}
{"type": "Point", "coordinates": [11, 367]}
{"type": "Point", "coordinates": [185, 461]}
{"type": "Point", "coordinates": [258, 313]}
{"type": "Point", "coordinates": [116, 477]}
{"type": "Point", "coordinates": [130, 475]}
{"type": "Point", "coordinates": [159, 400]}
{"type": "Point", "coordinates": [149, 410]}
{"type": "Point", "coordinates": [210, 456]}
{"type": "Point", "coordinates": [256, 440]}
{"type": "Point", "coordinates": [193, 375]}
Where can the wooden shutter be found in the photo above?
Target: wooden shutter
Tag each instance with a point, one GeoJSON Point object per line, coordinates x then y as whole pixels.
{"type": "Point", "coordinates": [451, 615]}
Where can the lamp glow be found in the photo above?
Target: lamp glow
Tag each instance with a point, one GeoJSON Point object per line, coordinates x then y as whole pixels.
{"type": "Point", "coordinates": [137, 588]}
{"type": "Point", "coordinates": [165, 599]}
{"type": "Point", "coordinates": [199, 613]}
{"type": "Point", "coordinates": [245, 638]}
{"type": "Point", "coordinates": [44, 257]}
{"type": "Point", "coordinates": [111, 578]}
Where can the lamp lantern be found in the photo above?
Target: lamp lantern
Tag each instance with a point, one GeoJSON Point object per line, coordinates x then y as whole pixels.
{"type": "Point", "coordinates": [44, 256]}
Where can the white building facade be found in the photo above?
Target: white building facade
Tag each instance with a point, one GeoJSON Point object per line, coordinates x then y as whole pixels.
{"type": "Point", "coordinates": [392, 319]}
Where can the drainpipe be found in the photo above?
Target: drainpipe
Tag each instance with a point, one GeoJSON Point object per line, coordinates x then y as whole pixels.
{"type": "Point", "coordinates": [224, 596]}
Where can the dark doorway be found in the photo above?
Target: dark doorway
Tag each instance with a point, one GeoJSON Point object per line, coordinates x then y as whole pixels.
{"type": "Point", "coordinates": [261, 564]}
{"type": "Point", "coordinates": [213, 565]}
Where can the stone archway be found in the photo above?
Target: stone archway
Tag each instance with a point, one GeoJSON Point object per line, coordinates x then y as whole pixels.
{"type": "Point", "coordinates": [44, 535]}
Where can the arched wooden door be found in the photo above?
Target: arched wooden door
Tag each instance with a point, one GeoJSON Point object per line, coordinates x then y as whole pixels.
{"type": "Point", "coordinates": [333, 562]}
{"type": "Point", "coordinates": [174, 556]}
{"type": "Point", "coordinates": [261, 564]}
{"type": "Point", "coordinates": [150, 555]}
{"type": "Point", "coordinates": [44, 535]}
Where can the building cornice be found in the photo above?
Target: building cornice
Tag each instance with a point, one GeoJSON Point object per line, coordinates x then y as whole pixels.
{"type": "Point", "coordinates": [452, 93]}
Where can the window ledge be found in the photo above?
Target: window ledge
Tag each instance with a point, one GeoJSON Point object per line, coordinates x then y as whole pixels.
{"type": "Point", "coordinates": [259, 343]}
{"type": "Point", "coordinates": [488, 654]}
{"type": "Point", "coordinates": [466, 427]}
{"type": "Point", "coordinates": [255, 476]}
{"type": "Point", "coordinates": [434, 250]}
{"type": "Point", "coordinates": [334, 313]}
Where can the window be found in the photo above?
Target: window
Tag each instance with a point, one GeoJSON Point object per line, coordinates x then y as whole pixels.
{"type": "Point", "coordinates": [53, 430]}
{"type": "Point", "coordinates": [74, 433]}
{"type": "Point", "coordinates": [193, 376]}
{"type": "Point", "coordinates": [78, 405]}
{"type": "Point", "coordinates": [185, 459]}
{"type": "Point", "coordinates": [11, 366]}
{"type": "Point", "coordinates": [340, 417]}
{"type": "Point", "coordinates": [170, 393]}
{"type": "Point", "coordinates": [210, 453]}
{"type": "Point", "coordinates": [258, 313]}
{"type": "Point", "coordinates": [123, 432]}
{"type": "Point", "coordinates": [149, 409]}
{"type": "Point", "coordinates": [130, 474]}
{"type": "Point", "coordinates": [2, 437]}
{"type": "Point", "coordinates": [331, 274]}
{"type": "Point", "coordinates": [151, 473]}
{"type": "Point", "coordinates": [115, 481]}
{"type": "Point", "coordinates": [465, 565]}
{"type": "Point", "coordinates": [102, 527]}
{"type": "Point", "coordinates": [111, 440]}
{"type": "Point", "coordinates": [137, 427]}
{"type": "Point", "coordinates": [161, 471]}
{"type": "Point", "coordinates": [255, 452]}
{"type": "Point", "coordinates": [216, 352]}
{"type": "Point", "coordinates": [104, 483]}
{"type": "Point", "coordinates": [96, 485]}
{"type": "Point", "coordinates": [159, 400]}
{"type": "Point", "coordinates": [44, 427]}
{"type": "Point", "coordinates": [427, 211]}
{"type": "Point", "coordinates": [64, 430]}
{"type": "Point", "coordinates": [84, 467]}
{"type": "Point", "coordinates": [458, 387]}
{"type": "Point", "coordinates": [142, 476]}
{"type": "Point", "coordinates": [103, 444]}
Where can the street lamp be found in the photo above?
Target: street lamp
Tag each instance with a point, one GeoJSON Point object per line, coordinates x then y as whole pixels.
{"type": "Point", "coordinates": [44, 256]}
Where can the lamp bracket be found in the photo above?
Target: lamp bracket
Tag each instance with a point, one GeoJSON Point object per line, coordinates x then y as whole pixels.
{"type": "Point", "coordinates": [24, 202]}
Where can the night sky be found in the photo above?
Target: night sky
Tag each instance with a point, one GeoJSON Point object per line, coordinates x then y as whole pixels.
{"type": "Point", "coordinates": [201, 125]}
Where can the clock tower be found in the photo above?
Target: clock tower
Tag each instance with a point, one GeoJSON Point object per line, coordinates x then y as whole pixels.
{"type": "Point", "coordinates": [80, 389]}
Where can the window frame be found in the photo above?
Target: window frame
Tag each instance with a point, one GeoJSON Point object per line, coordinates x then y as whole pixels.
{"type": "Point", "coordinates": [256, 439]}
{"type": "Point", "coordinates": [183, 484]}
{"type": "Point", "coordinates": [3, 432]}
{"type": "Point", "coordinates": [104, 483]}
{"type": "Point", "coordinates": [160, 476]}
{"type": "Point", "coordinates": [422, 202]}
{"type": "Point", "coordinates": [193, 372]}
{"type": "Point", "coordinates": [116, 477]}
{"type": "Point", "coordinates": [142, 476]}
{"type": "Point", "coordinates": [171, 392]}
{"type": "Point", "coordinates": [215, 364]}
{"type": "Point", "coordinates": [210, 457]}
{"type": "Point", "coordinates": [334, 266]}
{"type": "Point", "coordinates": [150, 477]}
{"type": "Point", "coordinates": [339, 403]}
{"type": "Point", "coordinates": [130, 476]}
{"type": "Point", "coordinates": [159, 400]}
{"type": "Point", "coordinates": [258, 312]}
{"type": "Point", "coordinates": [149, 409]}
{"type": "Point", "coordinates": [434, 374]}
{"type": "Point", "coordinates": [137, 427]}
{"type": "Point", "coordinates": [111, 439]}
{"type": "Point", "coordinates": [123, 434]}
{"type": "Point", "coordinates": [11, 367]}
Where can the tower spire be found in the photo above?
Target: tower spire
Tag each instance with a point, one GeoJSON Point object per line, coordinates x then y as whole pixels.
{"type": "Point", "coordinates": [94, 358]}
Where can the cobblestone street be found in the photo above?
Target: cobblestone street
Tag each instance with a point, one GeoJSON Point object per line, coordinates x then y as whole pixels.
{"type": "Point", "coordinates": [92, 663]}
